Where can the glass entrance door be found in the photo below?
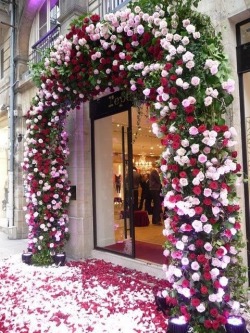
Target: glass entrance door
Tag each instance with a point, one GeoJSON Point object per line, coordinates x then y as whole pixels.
{"type": "Point", "coordinates": [114, 230]}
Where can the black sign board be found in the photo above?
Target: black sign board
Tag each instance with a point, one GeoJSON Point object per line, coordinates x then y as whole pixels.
{"type": "Point", "coordinates": [108, 105]}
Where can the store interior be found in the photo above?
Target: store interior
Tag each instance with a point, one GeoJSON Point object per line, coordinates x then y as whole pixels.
{"type": "Point", "coordinates": [146, 149]}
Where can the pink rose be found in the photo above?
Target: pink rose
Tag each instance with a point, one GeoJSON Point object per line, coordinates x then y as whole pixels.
{"type": "Point", "coordinates": [146, 92]}
{"type": "Point", "coordinates": [208, 100]}
{"type": "Point", "coordinates": [229, 86]}
{"type": "Point", "coordinates": [202, 158]}
{"type": "Point", "coordinates": [195, 81]}
{"type": "Point", "coordinates": [195, 266]}
{"type": "Point", "coordinates": [185, 102]}
{"type": "Point", "coordinates": [195, 148]}
{"type": "Point", "coordinates": [207, 192]}
{"type": "Point", "coordinates": [207, 228]}
{"type": "Point", "coordinates": [206, 150]}
{"type": "Point", "coordinates": [208, 247]}
{"type": "Point", "coordinates": [193, 130]}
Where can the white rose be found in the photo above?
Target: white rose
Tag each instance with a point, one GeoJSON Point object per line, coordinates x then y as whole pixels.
{"type": "Point", "coordinates": [223, 281]}
{"type": "Point", "coordinates": [195, 266]}
{"type": "Point", "coordinates": [183, 182]}
{"type": "Point", "coordinates": [207, 228]}
{"type": "Point", "coordinates": [179, 245]}
{"type": "Point", "coordinates": [201, 308]}
{"type": "Point", "coordinates": [196, 277]}
{"type": "Point", "coordinates": [177, 272]}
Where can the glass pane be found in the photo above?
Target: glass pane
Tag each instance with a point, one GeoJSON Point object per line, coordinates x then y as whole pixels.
{"type": "Point", "coordinates": [245, 33]}
{"type": "Point", "coordinates": [54, 13]}
{"type": "Point", "coordinates": [43, 17]}
{"type": "Point", "coordinates": [43, 31]}
{"type": "Point", "coordinates": [111, 167]}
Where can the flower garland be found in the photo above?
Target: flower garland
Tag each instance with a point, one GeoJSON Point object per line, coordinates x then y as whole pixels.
{"type": "Point", "coordinates": [171, 57]}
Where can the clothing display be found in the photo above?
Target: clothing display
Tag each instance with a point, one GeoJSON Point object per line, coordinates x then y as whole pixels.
{"type": "Point", "coordinates": [118, 181]}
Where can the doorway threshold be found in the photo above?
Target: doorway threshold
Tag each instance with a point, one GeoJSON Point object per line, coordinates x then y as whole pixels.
{"type": "Point", "coordinates": [137, 264]}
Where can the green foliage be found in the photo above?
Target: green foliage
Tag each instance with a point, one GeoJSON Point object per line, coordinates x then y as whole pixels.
{"type": "Point", "coordinates": [38, 69]}
{"type": "Point", "coordinates": [178, 6]}
{"type": "Point", "coordinates": [42, 258]}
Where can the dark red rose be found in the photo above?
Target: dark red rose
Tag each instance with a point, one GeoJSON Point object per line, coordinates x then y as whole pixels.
{"type": "Point", "coordinates": [173, 77]}
{"type": "Point", "coordinates": [168, 66]}
{"type": "Point", "coordinates": [201, 259]}
{"type": "Point", "coordinates": [195, 302]}
{"type": "Point", "coordinates": [207, 202]}
{"type": "Point", "coordinates": [215, 324]}
{"type": "Point", "coordinates": [212, 220]}
{"type": "Point", "coordinates": [222, 320]}
{"type": "Point", "coordinates": [193, 161]}
{"type": "Point", "coordinates": [195, 172]}
{"type": "Point", "coordinates": [183, 174]}
{"type": "Point", "coordinates": [217, 284]}
{"type": "Point", "coordinates": [95, 18]}
{"type": "Point", "coordinates": [189, 109]}
{"type": "Point", "coordinates": [183, 309]}
{"type": "Point", "coordinates": [207, 324]}
{"type": "Point", "coordinates": [234, 154]}
{"type": "Point", "coordinates": [185, 283]}
{"type": "Point", "coordinates": [220, 253]}
{"type": "Point", "coordinates": [216, 128]}
{"type": "Point", "coordinates": [173, 90]}
{"type": "Point", "coordinates": [199, 242]}
{"type": "Point", "coordinates": [213, 185]}
{"type": "Point", "coordinates": [198, 210]}
{"type": "Point", "coordinates": [164, 81]}
{"type": "Point", "coordinates": [202, 128]}
{"type": "Point", "coordinates": [197, 190]}
{"type": "Point", "coordinates": [226, 298]}
{"type": "Point", "coordinates": [237, 226]}
{"type": "Point", "coordinates": [238, 168]}
{"type": "Point", "coordinates": [225, 142]}
{"type": "Point", "coordinates": [175, 101]}
{"type": "Point", "coordinates": [173, 115]}
{"type": "Point", "coordinates": [192, 256]}
{"type": "Point", "coordinates": [176, 145]}
{"type": "Point", "coordinates": [204, 290]}
{"type": "Point", "coordinates": [179, 62]}
{"type": "Point", "coordinates": [207, 276]}
{"type": "Point", "coordinates": [224, 128]}
{"type": "Point", "coordinates": [190, 119]}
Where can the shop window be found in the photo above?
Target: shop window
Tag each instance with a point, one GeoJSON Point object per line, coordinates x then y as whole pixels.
{"type": "Point", "coordinates": [103, 7]}
{"type": "Point", "coordinates": [45, 30]}
{"type": "Point", "coordinates": [47, 16]}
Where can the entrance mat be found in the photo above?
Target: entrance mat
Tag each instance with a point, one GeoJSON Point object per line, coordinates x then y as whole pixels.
{"type": "Point", "coordinates": [146, 251]}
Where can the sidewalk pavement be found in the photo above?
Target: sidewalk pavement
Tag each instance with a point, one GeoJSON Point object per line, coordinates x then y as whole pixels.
{"type": "Point", "coordinates": [9, 247]}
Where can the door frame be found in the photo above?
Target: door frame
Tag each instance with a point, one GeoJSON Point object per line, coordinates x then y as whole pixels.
{"type": "Point", "coordinates": [243, 67]}
{"type": "Point", "coordinates": [100, 108]}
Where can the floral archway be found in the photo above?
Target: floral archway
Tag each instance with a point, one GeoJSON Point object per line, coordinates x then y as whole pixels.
{"type": "Point", "coordinates": [169, 56]}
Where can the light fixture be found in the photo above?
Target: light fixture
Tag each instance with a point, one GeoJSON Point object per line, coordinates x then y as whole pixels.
{"type": "Point", "coordinates": [143, 164]}
{"type": "Point", "coordinates": [177, 325]}
{"type": "Point", "coordinates": [235, 324]}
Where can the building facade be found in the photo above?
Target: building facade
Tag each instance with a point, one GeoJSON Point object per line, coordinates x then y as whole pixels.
{"type": "Point", "coordinates": [27, 28]}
